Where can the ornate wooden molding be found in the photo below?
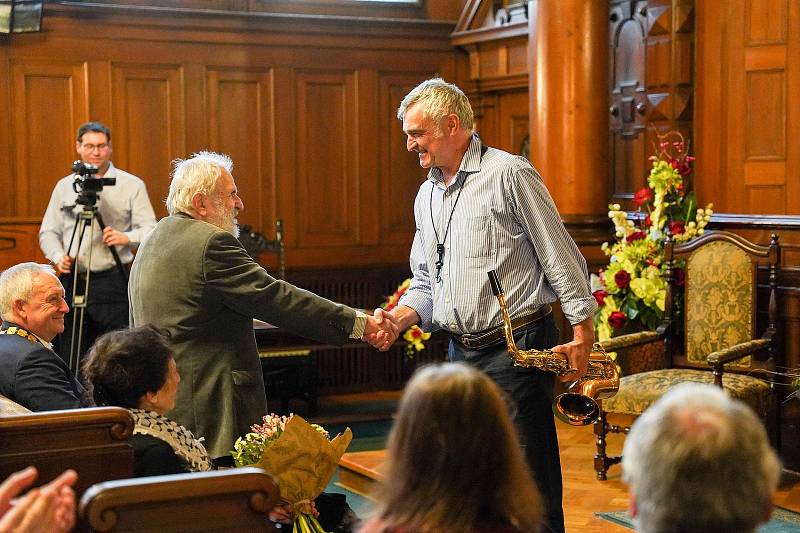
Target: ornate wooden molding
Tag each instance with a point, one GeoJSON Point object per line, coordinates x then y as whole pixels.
{"type": "Point", "coordinates": [170, 21]}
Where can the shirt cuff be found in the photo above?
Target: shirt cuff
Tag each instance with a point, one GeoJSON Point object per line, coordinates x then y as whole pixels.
{"type": "Point", "coordinates": [358, 325]}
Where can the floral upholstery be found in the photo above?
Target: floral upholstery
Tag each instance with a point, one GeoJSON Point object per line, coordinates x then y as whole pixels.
{"type": "Point", "coordinates": [719, 302]}
{"type": "Point", "coordinates": [638, 391]}
{"type": "Point", "coordinates": [8, 407]}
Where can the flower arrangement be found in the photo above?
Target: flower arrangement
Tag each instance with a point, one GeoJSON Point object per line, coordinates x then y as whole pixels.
{"type": "Point", "coordinates": [414, 336]}
{"type": "Point", "coordinates": [299, 455]}
{"type": "Point", "coordinates": [631, 290]}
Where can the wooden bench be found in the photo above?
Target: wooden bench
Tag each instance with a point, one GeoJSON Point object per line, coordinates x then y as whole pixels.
{"type": "Point", "coordinates": [218, 501]}
{"type": "Point", "coordinates": [91, 441]}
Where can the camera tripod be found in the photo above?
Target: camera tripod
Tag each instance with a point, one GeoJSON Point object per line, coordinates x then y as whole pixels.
{"type": "Point", "coordinates": [80, 298]}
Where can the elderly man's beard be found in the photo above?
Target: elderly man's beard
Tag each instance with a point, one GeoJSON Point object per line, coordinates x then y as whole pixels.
{"type": "Point", "coordinates": [226, 219]}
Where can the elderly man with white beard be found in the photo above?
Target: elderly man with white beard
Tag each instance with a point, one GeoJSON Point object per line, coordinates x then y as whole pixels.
{"type": "Point", "coordinates": [193, 278]}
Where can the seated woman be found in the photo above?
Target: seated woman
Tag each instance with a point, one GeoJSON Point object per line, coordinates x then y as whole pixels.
{"type": "Point", "coordinates": [134, 369]}
{"type": "Point", "coordinates": [454, 461]}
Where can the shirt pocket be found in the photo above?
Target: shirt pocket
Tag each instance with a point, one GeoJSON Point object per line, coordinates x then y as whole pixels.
{"type": "Point", "coordinates": [479, 236]}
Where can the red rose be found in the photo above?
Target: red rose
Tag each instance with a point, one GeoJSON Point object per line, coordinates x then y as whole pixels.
{"type": "Point", "coordinates": [679, 277]}
{"type": "Point", "coordinates": [642, 196]}
{"type": "Point", "coordinates": [600, 296]}
{"type": "Point", "coordinates": [676, 227]}
{"type": "Point", "coordinates": [617, 319]}
{"type": "Point", "coordinates": [683, 166]}
{"type": "Point", "coordinates": [635, 236]}
{"type": "Point", "coordinates": [622, 279]}
{"type": "Point", "coordinates": [647, 221]}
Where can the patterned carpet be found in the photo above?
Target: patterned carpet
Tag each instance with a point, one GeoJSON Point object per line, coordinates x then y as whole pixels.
{"type": "Point", "coordinates": [782, 521]}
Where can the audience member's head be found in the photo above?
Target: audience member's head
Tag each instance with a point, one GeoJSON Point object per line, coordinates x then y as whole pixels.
{"type": "Point", "coordinates": [132, 368]}
{"type": "Point", "coordinates": [32, 297]}
{"type": "Point", "coordinates": [203, 187]}
{"type": "Point", "coordinates": [699, 460]}
{"type": "Point", "coordinates": [454, 461]}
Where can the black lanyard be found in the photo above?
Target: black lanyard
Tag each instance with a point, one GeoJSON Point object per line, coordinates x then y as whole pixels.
{"type": "Point", "coordinates": [440, 245]}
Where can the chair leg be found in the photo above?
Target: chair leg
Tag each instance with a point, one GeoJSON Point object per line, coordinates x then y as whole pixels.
{"type": "Point", "coordinates": [602, 462]}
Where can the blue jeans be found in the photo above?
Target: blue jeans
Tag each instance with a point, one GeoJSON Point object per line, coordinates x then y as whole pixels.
{"type": "Point", "coordinates": [529, 393]}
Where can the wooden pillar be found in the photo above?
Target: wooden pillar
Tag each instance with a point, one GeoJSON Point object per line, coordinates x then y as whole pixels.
{"type": "Point", "coordinates": [568, 52]}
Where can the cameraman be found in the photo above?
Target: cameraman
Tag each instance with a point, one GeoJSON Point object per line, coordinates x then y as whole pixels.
{"type": "Point", "coordinates": [126, 210]}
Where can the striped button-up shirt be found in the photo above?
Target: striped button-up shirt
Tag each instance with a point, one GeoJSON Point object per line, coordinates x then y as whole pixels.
{"type": "Point", "coordinates": [503, 219]}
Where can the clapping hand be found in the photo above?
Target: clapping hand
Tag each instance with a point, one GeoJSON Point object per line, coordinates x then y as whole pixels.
{"type": "Point", "coordinates": [50, 508]}
{"type": "Point", "coordinates": [381, 330]}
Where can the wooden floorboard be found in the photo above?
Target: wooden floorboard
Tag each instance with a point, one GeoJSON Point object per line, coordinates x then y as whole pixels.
{"type": "Point", "coordinates": [584, 495]}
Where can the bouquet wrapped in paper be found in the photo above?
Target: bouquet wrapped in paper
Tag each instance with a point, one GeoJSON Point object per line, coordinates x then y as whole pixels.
{"type": "Point", "coordinates": [300, 456]}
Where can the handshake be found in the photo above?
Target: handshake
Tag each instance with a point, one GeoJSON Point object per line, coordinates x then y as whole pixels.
{"type": "Point", "coordinates": [381, 330]}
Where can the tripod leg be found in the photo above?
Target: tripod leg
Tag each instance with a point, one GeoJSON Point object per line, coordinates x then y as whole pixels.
{"type": "Point", "coordinates": [113, 250]}
{"type": "Point", "coordinates": [79, 300]}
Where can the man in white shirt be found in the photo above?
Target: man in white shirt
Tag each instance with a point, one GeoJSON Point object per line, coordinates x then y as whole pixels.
{"type": "Point", "coordinates": [128, 215]}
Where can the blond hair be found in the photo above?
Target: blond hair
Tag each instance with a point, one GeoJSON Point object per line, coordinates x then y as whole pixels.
{"type": "Point", "coordinates": [439, 99]}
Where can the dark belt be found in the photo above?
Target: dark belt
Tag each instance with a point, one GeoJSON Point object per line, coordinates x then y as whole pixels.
{"type": "Point", "coordinates": [487, 337]}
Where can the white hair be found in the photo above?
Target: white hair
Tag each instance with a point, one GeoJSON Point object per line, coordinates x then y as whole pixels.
{"type": "Point", "coordinates": [438, 99]}
{"type": "Point", "coordinates": [16, 283]}
{"type": "Point", "coordinates": [682, 454]}
{"type": "Point", "coordinates": [200, 173]}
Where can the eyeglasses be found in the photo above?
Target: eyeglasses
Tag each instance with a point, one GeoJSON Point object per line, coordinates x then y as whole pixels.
{"type": "Point", "coordinates": [92, 147]}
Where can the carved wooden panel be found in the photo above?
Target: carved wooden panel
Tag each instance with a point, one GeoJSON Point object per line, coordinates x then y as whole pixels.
{"type": "Point", "coordinates": [327, 191]}
{"type": "Point", "coordinates": [651, 83]}
{"type": "Point", "coordinates": [48, 103]}
{"type": "Point", "coordinates": [628, 96]}
{"type": "Point", "coordinates": [241, 124]}
{"type": "Point", "coordinates": [513, 117]}
{"type": "Point", "coordinates": [148, 123]}
{"type": "Point", "coordinates": [749, 119]}
{"type": "Point", "coordinates": [400, 173]}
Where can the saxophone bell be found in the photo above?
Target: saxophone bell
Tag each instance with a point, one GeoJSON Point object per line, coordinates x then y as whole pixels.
{"type": "Point", "coordinates": [578, 406]}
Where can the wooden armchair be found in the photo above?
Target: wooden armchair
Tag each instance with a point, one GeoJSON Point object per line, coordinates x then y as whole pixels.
{"type": "Point", "coordinates": [716, 339]}
{"type": "Point", "coordinates": [219, 501]}
{"type": "Point", "coordinates": [91, 441]}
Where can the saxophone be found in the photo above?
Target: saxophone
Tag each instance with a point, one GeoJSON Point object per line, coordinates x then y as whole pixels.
{"type": "Point", "coordinates": [578, 405]}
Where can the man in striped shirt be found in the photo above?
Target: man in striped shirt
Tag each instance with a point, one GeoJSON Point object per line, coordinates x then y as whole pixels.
{"type": "Point", "coordinates": [483, 209]}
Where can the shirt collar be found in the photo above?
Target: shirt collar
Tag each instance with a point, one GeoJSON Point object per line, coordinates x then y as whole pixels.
{"type": "Point", "coordinates": [470, 163]}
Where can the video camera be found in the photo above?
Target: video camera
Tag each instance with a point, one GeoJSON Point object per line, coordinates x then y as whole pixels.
{"type": "Point", "coordinates": [86, 184]}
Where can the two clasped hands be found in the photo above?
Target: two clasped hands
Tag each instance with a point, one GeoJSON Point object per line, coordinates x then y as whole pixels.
{"type": "Point", "coordinates": [381, 330]}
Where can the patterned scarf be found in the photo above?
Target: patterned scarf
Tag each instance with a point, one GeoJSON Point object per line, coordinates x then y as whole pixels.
{"type": "Point", "coordinates": [178, 437]}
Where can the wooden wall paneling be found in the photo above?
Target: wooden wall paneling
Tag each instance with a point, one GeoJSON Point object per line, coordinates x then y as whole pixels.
{"type": "Point", "coordinates": [513, 116]}
{"type": "Point", "coordinates": [241, 124]}
{"type": "Point", "coordinates": [285, 145]}
{"type": "Point", "coordinates": [148, 123]}
{"type": "Point", "coordinates": [759, 57]}
{"type": "Point", "coordinates": [400, 173]}
{"type": "Point", "coordinates": [8, 198]}
{"type": "Point", "coordinates": [99, 91]}
{"type": "Point", "coordinates": [19, 241]}
{"type": "Point", "coordinates": [627, 98]}
{"type": "Point", "coordinates": [327, 190]}
{"type": "Point", "coordinates": [365, 166]}
{"type": "Point", "coordinates": [196, 106]}
{"type": "Point", "coordinates": [49, 101]}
